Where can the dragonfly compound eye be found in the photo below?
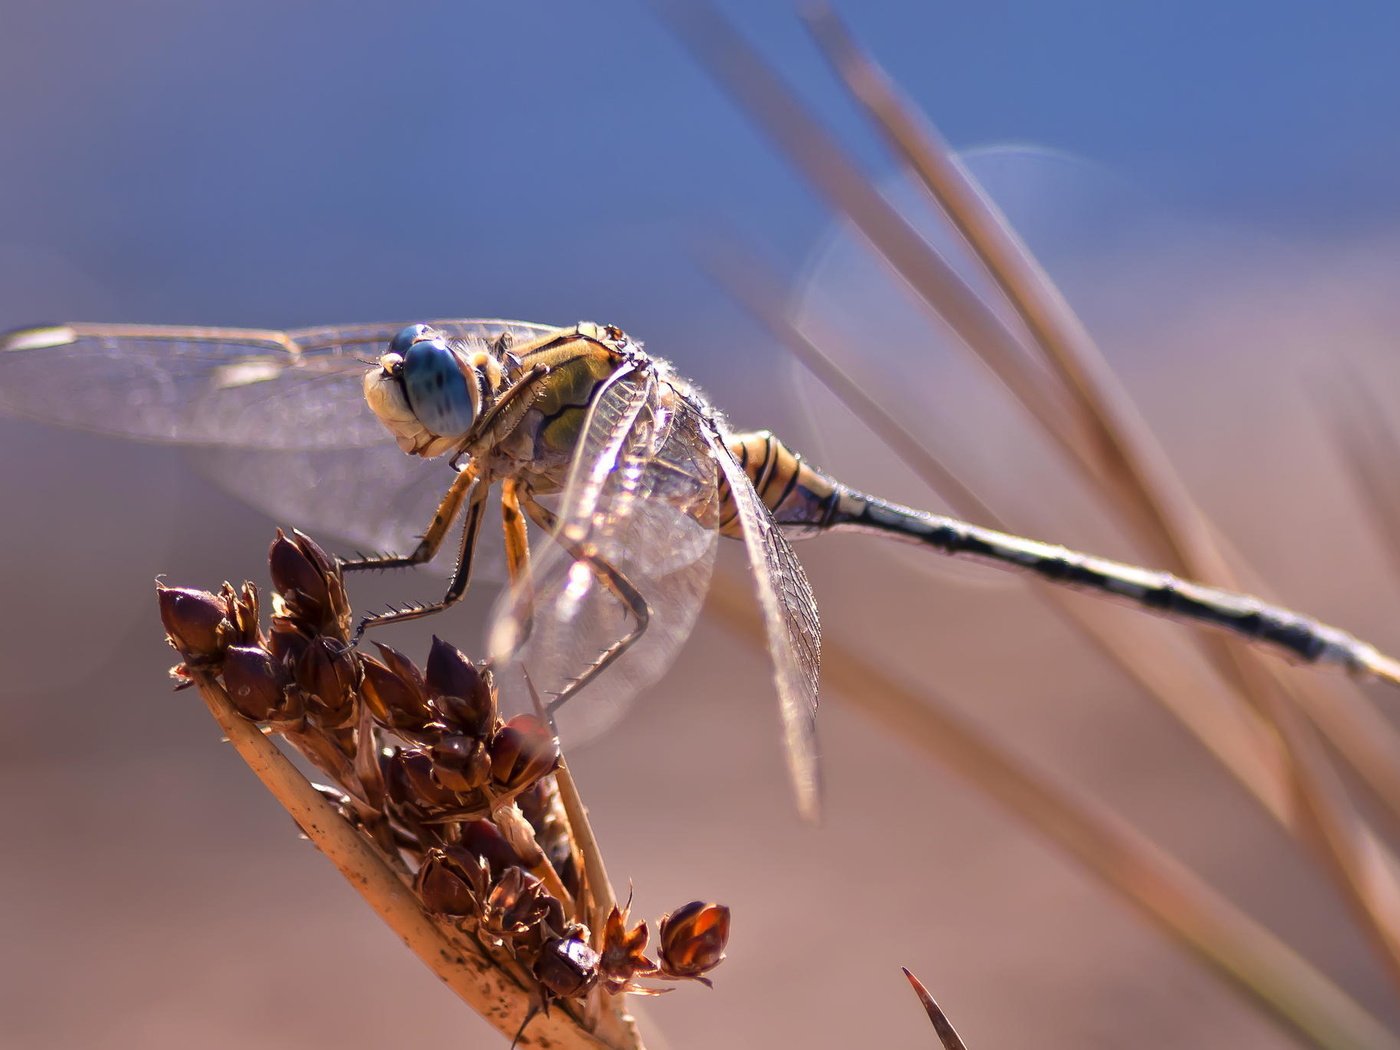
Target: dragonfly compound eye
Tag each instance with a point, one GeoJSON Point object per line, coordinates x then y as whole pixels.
{"type": "Point", "coordinates": [441, 393]}
{"type": "Point", "coordinates": [408, 336]}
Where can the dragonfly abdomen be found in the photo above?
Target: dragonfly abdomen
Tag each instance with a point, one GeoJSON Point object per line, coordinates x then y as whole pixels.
{"type": "Point", "coordinates": [800, 497]}
{"type": "Point", "coordinates": [1159, 592]}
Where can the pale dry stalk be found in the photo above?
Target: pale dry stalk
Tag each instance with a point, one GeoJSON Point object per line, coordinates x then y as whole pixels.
{"type": "Point", "coordinates": [485, 988]}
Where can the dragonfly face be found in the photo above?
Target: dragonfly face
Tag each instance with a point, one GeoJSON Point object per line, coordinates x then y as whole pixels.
{"type": "Point", "coordinates": [428, 392]}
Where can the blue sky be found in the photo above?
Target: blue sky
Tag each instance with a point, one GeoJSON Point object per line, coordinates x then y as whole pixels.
{"type": "Point", "coordinates": [266, 163]}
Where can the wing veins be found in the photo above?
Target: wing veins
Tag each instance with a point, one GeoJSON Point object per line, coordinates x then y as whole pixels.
{"type": "Point", "coordinates": [791, 623]}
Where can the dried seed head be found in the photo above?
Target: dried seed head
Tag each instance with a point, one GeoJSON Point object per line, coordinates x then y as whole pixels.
{"type": "Point", "coordinates": [196, 623]}
{"type": "Point", "coordinates": [242, 612]}
{"type": "Point", "coordinates": [461, 694]}
{"type": "Point", "coordinates": [693, 939]}
{"type": "Point", "coordinates": [452, 881]}
{"type": "Point", "coordinates": [328, 672]}
{"type": "Point", "coordinates": [409, 780]}
{"type": "Point", "coordinates": [287, 641]}
{"type": "Point", "coordinates": [541, 806]}
{"type": "Point", "coordinates": [522, 751]}
{"type": "Point", "coordinates": [483, 839]}
{"type": "Point", "coordinates": [567, 967]}
{"type": "Point", "coordinates": [310, 585]}
{"type": "Point", "coordinates": [622, 958]}
{"type": "Point", "coordinates": [256, 686]}
{"type": "Point", "coordinates": [395, 693]}
{"type": "Point", "coordinates": [460, 763]}
{"type": "Point", "coordinates": [519, 909]}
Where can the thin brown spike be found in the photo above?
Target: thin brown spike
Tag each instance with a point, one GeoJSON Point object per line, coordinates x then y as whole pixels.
{"type": "Point", "coordinates": [946, 1033]}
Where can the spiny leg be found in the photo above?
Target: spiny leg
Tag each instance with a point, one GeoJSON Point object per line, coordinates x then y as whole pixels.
{"type": "Point", "coordinates": [612, 580]}
{"type": "Point", "coordinates": [436, 532]}
{"type": "Point", "coordinates": [517, 538]}
{"type": "Point", "coordinates": [461, 576]}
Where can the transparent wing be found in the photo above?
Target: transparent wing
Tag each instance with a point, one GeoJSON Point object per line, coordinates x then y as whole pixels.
{"type": "Point", "coordinates": [791, 623]}
{"type": "Point", "coordinates": [368, 499]}
{"type": "Point", "coordinates": [251, 388]}
{"type": "Point", "coordinates": [642, 496]}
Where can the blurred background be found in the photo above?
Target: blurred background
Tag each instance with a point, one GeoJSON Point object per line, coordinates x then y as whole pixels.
{"type": "Point", "coordinates": [1212, 185]}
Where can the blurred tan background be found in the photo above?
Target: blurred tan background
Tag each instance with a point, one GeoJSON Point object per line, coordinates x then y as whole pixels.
{"type": "Point", "coordinates": [264, 167]}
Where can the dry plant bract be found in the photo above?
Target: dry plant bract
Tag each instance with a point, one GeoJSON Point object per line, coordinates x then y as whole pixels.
{"type": "Point", "coordinates": [448, 819]}
{"type": "Point", "coordinates": [947, 1034]}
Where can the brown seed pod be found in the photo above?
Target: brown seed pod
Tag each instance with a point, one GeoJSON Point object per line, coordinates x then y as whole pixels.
{"type": "Point", "coordinates": [692, 940]}
{"type": "Point", "coordinates": [257, 687]}
{"type": "Point", "coordinates": [462, 695]}
{"type": "Point", "coordinates": [417, 794]}
{"type": "Point", "coordinates": [519, 910]}
{"type": "Point", "coordinates": [395, 693]}
{"type": "Point", "coordinates": [196, 623]}
{"type": "Point", "coordinates": [567, 967]}
{"type": "Point", "coordinates": [452, 881]}
{"type": "Point", "coordinates": [484, 839]}
{"type": "Point", "coordinates": [328, 673]}
{"type": "Point", "coordinates": [522, 751]}
{"type": "Point", "coordinates": [460, 763]}
{"type": "Point", "coordinates": [310, 585]}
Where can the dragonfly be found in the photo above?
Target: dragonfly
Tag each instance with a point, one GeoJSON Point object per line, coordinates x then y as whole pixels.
{"type": "Point", "coordinates": [622, 463]}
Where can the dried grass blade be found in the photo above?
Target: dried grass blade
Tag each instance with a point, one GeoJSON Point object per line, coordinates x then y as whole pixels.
{"type": "Point", "coordinates": [1139, 471]}
{"type": "Point", "coordinates": [947, 1034]}
{"type": "Point", "coordinates": [1232, 732]}
{"type": "Point", "coordinates": [600, 889]}
{"type": "Point", "coordinates": [1371, 453]}
{"type": "Point", "coordinates": [1283, 984]}
{"type": "Point", "coordinates": [827, 166]}
{"type": "Point", "coordinates": [1140, 476]}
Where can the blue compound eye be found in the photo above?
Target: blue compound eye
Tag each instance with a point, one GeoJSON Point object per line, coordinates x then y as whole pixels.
{"type": "Point", "coordinates": [408, 336]}
{"type": "Point", "coordinates": [438, 391]}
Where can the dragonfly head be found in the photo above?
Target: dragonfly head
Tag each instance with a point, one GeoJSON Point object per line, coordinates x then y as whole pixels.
{"type": "Point", "coordinates": [427, 391]}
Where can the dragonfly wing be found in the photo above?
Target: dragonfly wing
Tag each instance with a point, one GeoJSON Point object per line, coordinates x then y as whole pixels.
{"type": "Point", "coordinates": [792, 625]}
{"type": "Point", "coordinates": [641, 497]}
{"type": "Point", "coordinates": [252, 388]}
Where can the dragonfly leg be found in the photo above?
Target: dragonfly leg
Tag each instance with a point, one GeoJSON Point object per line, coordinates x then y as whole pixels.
{"type": "Point", "coordinates": [518, 549]}
{"type": "Point", "coordinates": [461, 576]}
{"type": "Point", "coordinates": [433, 536]}
{"type": "Point", "coordinates": [612, 580]}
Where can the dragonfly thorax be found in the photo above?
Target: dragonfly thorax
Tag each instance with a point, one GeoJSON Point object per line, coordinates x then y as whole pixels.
{"type": "Point", "coordinates": [429, 391]}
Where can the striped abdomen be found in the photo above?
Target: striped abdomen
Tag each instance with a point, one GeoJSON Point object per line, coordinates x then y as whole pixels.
{"type": "Point", "coordinates": [806, 501]}
{"type": "Point", "coordinates": [796, 493]}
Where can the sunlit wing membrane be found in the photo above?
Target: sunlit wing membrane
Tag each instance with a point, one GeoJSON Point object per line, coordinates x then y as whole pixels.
{"type": "Point", "coordinates": [615, 436]}
{"type": "Point", "coordinates": [645, 502]}
{"type": "Point", "coordinates": [791, 623]}
{"type": "Point", "coordinates": [248, 388]}
{"type": "Point", "coordinates": [372, 499]}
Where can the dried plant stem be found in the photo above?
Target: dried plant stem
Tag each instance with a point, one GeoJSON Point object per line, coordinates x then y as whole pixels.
{"type": "Point", "coordinates": [1281, 982]}
{"type": "Point", "coordinates": [734, 64]}
{"type": "Point", "coordinates": [947, 1034]}
{"type": "Point", "coordinates": [1236, 736]}
{"type": "Point", "coordinates": [1106, 439]}
{"type": "Point", "coordinates": [600, 889]}
{"type": "Point", "coordinates": [1138, 475]}
{"type": "Point", "coordinates": [485, 989]}
{"type": "Point", "coordinates": [1362, 431]}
